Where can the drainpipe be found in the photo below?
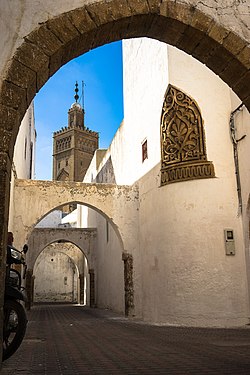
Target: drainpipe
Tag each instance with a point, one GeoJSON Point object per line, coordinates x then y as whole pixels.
{"type": "Point", "coordinates": [236, 158]}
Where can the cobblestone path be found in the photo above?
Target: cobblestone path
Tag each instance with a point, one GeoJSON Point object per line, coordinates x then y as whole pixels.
{"type": "Point", "coordinates": [67, 340]}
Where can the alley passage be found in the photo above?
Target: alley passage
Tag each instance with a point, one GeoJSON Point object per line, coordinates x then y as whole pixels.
{"type": "Point", "coordinates": [72, 340]}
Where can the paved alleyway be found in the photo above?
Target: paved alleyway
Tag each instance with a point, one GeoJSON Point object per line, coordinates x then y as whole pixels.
{"type": "Point", "coordinates": [67, 340]}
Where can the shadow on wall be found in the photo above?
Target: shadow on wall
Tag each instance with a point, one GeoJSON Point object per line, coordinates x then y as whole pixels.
{"type": "Point", "coordinates": [106, 174]}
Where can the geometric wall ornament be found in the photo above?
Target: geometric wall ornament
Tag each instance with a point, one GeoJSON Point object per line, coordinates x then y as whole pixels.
{"type": "Point", "coordinates": [183, 147]}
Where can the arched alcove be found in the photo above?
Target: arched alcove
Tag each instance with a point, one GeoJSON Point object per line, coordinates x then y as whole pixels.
{"type": "Point", "coordinates": [56, 274]}
{"type": "Point", "coordinates": [103, 272]}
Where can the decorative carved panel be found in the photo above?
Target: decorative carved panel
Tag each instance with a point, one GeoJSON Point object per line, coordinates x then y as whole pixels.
{"type": "Point", "coordinates": [183, 149]}
{"type": "Point", "coordinates": [63, 144]}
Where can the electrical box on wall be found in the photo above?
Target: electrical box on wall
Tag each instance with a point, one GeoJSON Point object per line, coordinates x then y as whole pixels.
{"type": "Point", "coordinates": [229, 241]}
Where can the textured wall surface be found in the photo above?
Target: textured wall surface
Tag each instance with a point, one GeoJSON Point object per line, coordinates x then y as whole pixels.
{"type": "Point", "coordinates": [38, 198]}
{"type": "Point", "coordinates": [39, 239]}
{"type": "Point", "coordinates": [181, 272]}
{"type": "Point", "coordinates": [56, 276]}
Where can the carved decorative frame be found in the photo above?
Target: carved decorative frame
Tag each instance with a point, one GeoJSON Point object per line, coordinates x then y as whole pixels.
{"type": "Point", "coordinates": [183, 147]}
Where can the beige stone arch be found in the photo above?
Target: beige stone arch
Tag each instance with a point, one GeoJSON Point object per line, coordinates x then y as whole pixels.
{"type": "Point", "coordinates": [83, 239]}
{"type": "Point", "coordinates": [35, 199]}
{"type": "Point", "coordinates": [48, 254]}
{"type": "Point", "coordinates": [40, 238]}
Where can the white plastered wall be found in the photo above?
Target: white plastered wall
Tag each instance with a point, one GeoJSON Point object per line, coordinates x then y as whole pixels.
{"type": "Point", "coordinates": [181, 272]}
{"type": "Point", "coordinates": [242, 126]}
{"type": "Point", "coordinates": [56, 274]}
{"type": "Point", "coordinates": [23, 165]}
{"type": "Point", "coordinates": [107, 257]}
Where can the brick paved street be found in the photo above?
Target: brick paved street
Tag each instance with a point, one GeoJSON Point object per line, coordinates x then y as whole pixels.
{"type": "Point", "coordinates": [67, 340]}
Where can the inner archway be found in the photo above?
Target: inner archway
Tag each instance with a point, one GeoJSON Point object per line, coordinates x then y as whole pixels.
{"type": "Point", "coordinates": [94, 252]}
{"type": "Point", "coordinates": [56, 275]}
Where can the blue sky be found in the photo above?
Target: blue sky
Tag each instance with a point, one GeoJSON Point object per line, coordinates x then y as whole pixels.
{"type": "Point", "coordinates": [101, 70]}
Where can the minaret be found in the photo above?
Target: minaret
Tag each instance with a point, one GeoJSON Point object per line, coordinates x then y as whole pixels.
{"type": "Point", "coordinates": [73, 145]}
{"type": "Point", "coordinates": [76, 112]}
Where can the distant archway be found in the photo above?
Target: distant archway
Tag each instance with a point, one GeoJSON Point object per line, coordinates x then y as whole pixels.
{"type": "Point", "coordinates": [56, 275]}
{"type": "Point", "coordinates": [40, 238]}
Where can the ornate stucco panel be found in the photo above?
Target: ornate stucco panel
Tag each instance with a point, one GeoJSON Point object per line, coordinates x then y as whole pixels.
{"type": "Point", "coordinates": [183, 147]}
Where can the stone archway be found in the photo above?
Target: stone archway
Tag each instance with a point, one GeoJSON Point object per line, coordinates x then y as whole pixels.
{"type": "Point", "coordinates": [41, 238]}
{"type": "Point", "coordinates": [56, 274]}
{"type": "Point", "coordinates": [215, 35]}
{"type": "Point", "coordinates": [107, 199]}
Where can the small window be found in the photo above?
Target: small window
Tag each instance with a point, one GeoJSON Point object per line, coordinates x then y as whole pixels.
{"type": "Point", "coordinates": [144, 150]}
{"type": "Point", "coordinates": [59, 165]}
{"type": "Point", "coordinates": [67, 162]}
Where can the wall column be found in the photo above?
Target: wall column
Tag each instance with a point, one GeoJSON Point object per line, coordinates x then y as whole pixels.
{"type": "Point", "coordinates": [92, 288]}
{"type": "Point", "coordinates": [5, 173]}
{"type": "Point", "coordinates": [32, 289]}
{"type": "Point", "coordinates": [82, 285]}
{"type": "Point", "coordinates": [128, 284]}
{"type": "Point", "coordinates": [29, 288]}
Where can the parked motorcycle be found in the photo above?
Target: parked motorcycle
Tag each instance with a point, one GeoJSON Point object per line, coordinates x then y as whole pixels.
{"type": "Point", "coordinates": [15, 320]}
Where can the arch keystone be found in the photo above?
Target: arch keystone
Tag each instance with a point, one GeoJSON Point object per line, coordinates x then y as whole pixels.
{"type": "Point", "coordinates": [138, 6]}
{"type": "Point", "coordinates": [177, 11]}
{"type": "Point", "coordinates": [108, 12]}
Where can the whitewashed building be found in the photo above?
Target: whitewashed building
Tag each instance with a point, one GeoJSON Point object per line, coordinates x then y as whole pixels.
{"type": "Point", "coordinates": [190, 258]}
{"type": "Point", "coordinates": [23, 165]}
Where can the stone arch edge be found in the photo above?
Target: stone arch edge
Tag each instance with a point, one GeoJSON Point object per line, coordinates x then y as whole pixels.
{"type": "Point", "coordinates": [73, 33]}
{"type": "Point", "coordinates": [53, 239]}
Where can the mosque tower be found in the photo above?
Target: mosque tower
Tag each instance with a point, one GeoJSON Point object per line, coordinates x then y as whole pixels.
{"type": "Point", "coordinates": [73, 145]}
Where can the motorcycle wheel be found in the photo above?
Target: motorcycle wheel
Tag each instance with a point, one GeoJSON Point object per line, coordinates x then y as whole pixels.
{"type": "Point", "coordinates": [14, 327]}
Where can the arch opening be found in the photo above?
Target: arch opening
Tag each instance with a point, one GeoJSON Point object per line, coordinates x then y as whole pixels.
{"type": "Point", "coordinates": [56, 277]}
{"type": "Point", "coordinates": [77, 219]}
{"type": "Point", "coordinates": [96, 285]}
